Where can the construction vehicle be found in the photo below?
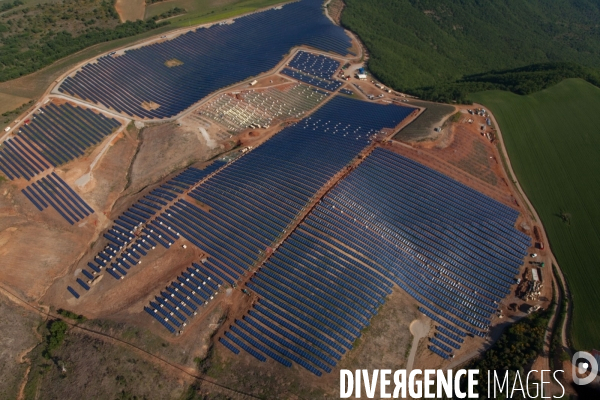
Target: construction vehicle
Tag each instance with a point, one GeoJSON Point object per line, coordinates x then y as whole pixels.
{"type": "Point", "coordinates": [539, 264]}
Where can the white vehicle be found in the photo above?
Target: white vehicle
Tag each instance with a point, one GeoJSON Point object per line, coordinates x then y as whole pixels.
{"type": "Point", "coordinates": [533, 255]}
{"type": "Point", "coordinates": [7, 129]}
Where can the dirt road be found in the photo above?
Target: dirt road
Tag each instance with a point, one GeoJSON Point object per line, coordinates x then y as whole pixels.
{"type": "Point", "coordinates": [419, 328]}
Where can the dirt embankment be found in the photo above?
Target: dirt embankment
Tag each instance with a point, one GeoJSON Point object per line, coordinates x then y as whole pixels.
{"type": "Point", "coordinates": [166, 148]}
{"type": "Point", "coordinates": [423, 128]}
{"type": "Point", "coordinates": [36, 246]}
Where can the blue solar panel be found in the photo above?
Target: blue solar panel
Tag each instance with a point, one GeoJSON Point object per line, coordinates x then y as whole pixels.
{"type": "Point", "coordinates": [331, 85]}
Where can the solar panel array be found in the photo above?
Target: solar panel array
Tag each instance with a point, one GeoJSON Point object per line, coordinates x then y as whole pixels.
{"type": "Point", "coordinates": [52, 190]}
{"type": "Point", "coordinates": [212, 58]}
{"type": "Point", "coordinates": [331, 85]}
{"type": "Point", "coordinates": [19, 160]}
{"type": "Point", "coordinates": [315, 64]}
{"type": "Point", "coordinates": [141, 228]}
{"type": "Point", "coordinates": [346, 91]}
{"type": "Point", "coordinates": [179, 301]}
{"type": "Point", "coordinates": [248, 205]}
{"type": "Point", "coordinates": [391, 221]}
{"type": "Point", "coordinates": [55, 135]}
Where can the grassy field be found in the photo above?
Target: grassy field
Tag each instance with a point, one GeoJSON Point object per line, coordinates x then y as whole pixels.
{"type": "Point", "coordinates": [553, 139]}
{"type": "Point", "coordinates": [203, 11]}
{"type": "Point", "coordinates": [9, 102]}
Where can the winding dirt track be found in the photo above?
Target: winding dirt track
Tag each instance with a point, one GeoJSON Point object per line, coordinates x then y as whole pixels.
{"type": "Point", "coordinates": [188, 372]}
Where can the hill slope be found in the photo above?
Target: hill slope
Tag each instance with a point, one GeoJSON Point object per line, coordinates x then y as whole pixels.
{"type": "Point", "coordinates": [553, 138]}
{"type": "Point", "coordinates": [416, 43]}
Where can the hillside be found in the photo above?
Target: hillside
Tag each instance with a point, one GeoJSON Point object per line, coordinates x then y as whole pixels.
{"type": "Point", "coordinates": [552, 139]}
{"type": "Point", "coordinates": [416, 43]}
{"type": "Point", "coordinates": [34, 35]}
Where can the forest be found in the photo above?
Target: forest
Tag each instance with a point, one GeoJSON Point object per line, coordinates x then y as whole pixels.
{"type": "Point", "coordinates": [442, 49]}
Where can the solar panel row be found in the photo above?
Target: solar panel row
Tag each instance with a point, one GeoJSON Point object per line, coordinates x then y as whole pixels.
{"type": "Point", "coordinates": [52, 190]}
{"type": "Point", "coordinates": [61, 133]}
{"type": "Point", "coordinates": [195, 287]}
{"type": "Point", "coordinates": [331, 85]}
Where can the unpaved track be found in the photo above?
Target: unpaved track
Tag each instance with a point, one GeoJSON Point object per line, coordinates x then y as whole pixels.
{"type": "Point", "coordinates": [519, 190]}
{"type": "Point", "coordinates": [189, 372]}
{"type": "Point", "coordinates": [419, 329]}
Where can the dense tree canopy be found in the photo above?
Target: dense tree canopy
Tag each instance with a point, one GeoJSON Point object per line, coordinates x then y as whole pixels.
{"type": "Point", "coordinates": [516, 350]}
{"type": "Point", "coordinates": [428, 44]}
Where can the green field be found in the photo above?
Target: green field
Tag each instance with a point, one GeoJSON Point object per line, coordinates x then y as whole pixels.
{"type": "Point", "coordinates": [204, 11]}
{"type": "Point", "coordinates": [553, 140]}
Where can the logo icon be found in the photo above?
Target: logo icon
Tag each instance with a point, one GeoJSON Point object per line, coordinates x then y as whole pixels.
{"type": "Point", "coordinates": [582, 362]}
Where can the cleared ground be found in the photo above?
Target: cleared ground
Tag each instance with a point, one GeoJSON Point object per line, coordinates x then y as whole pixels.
{"type": "Point", "coordinates": [164, 149]}
{"type": "Point", "coordinates": [552, 140]}
{"type": "Point", "coordinates": [130, 10]}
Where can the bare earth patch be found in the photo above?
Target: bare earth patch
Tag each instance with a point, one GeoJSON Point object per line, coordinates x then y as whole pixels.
{"type": "Point", "coordinates": [36, 246]}
{"type": "Point", "coordinates": [130, 10]}
{"type": "Point", "coordinates": [166, 148]}
{"type": "Point", "coordinates": [173, 62]}
{"type": "Point", "coordinates": [150, 105]}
